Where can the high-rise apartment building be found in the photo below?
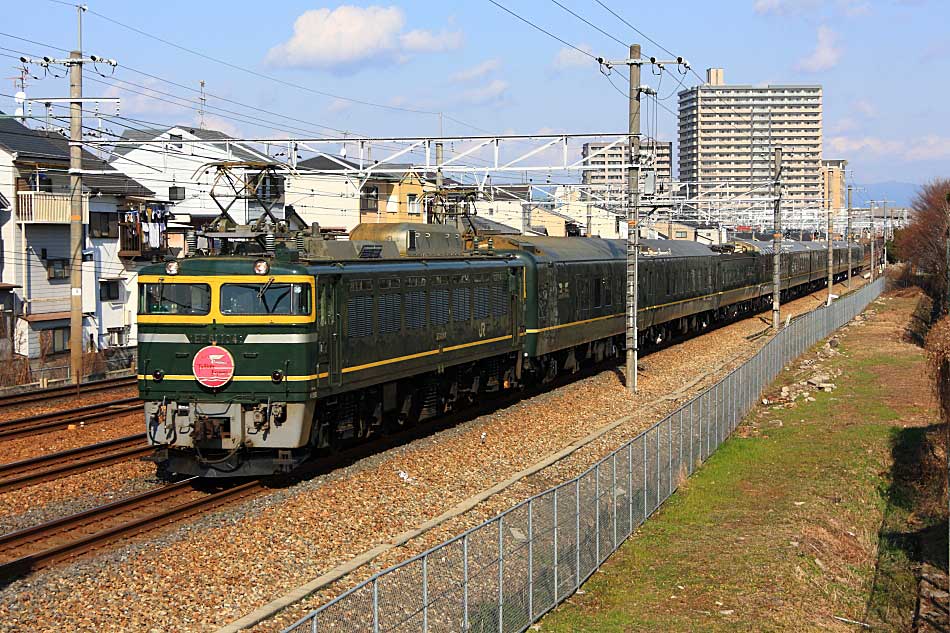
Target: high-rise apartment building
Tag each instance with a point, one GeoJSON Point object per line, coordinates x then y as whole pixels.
{"type": "Point", "coordinates": [653, 154]}
{"type": "Point", "coordinates": [833, 184]}
{"type": "Point", "coordinates": [728, 134]}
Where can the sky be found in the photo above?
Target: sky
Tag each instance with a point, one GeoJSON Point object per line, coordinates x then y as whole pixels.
{"type": "Point", "coordinates": [882, 63]}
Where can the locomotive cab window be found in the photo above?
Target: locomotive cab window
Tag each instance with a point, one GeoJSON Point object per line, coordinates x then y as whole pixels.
{"type": "Point", "coordinates": [165, 298]}
{"type": "Point", "coordinates": [266, 298]}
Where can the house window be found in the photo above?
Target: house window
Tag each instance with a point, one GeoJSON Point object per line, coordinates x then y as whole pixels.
{"type": "Point", "coordinates": [369, 200]}
{"type": "Point", "coordinates": [413, 200]}
{"type": "Point", "coordinates": [55, 340]}
{"type": "Point", "coordinates": [109, 290]}
{"type": "Point", "coordinates": [175, 140]}
{"type": "Point", "coordinates": [681, 235]}
{"type": "Point", "coordinates": [57, 268]}
{"type": "Point", "coordinates": [40, 182]}
{"type": "Point", "coordinates": [118, 337]}
{"type": "Point", "coordinates": [104, 225]}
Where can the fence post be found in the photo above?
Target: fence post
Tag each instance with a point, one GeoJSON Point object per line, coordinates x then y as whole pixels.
{"type": "Point", "coordinates": [501, 575]}
{"type": "Point", "coordinates": [556, 490]}
{"type": "Point", "coordinates": [596, 513]}
{"type": "Point", "coordinates": [577, 532]}
{"type": "Point", "coordinates": [679, 465]}
{"type": "Point", "coordinates": [375, 605]}
{"type": "Point", "coordinates": [425, 593]}
{"type": "Point", "coordinates": [613, 496]}
{"type": "Point", "coordinates": [692, 458]}
{"type": "Point", "coordinates": [313, 624]}
{"type": "Point", "coordinates": [531, 559]}
{"type": "Point", "coordinates": [465, 580]}
{"type": "Point", "coordinates": [630, 485]}
{"type": "Point", "coordinates": [658, 477]}
{"type": "Point", "coordinates": [669, 430]}
{"type": "Point", "coordinates": [644, 436]}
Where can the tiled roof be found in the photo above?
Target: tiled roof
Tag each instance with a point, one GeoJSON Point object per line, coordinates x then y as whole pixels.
{"type": "Point", "coordinates": [52, 147]}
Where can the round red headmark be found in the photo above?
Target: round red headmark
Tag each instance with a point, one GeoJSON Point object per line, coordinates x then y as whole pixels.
{"type": "Point", "coordinates": [213, 366]}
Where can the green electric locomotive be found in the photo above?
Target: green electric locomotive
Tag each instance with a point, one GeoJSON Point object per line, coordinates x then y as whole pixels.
{"type": "Point", "coordinates": [265, 348]}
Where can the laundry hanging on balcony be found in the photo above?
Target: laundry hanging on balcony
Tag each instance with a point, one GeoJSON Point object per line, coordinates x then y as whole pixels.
{"type": "Point", "coordinates": [152, 222]}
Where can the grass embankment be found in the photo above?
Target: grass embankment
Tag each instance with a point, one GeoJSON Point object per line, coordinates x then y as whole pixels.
{"type": "Point", "coordinates": [806, 514]}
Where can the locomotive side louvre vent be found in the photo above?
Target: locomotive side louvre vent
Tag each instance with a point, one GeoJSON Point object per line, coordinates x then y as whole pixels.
{"type": "Point", "coordinates": [499, 300]}
{"type": "Point", "coordinates": [438, 306]}
{"type": "Point", "coordinates": [359, 316]}
{"type": "Point", "coordinates": [416, 309]}
{"type": "Point", "coordinates": [389, 313]}
{"type": "Point", "coordinates": [482, 305]}
{"type": "Point", "coordinates": [461, 304]}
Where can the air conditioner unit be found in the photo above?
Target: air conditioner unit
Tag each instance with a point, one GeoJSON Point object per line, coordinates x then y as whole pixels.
{"type": "Point", "coordinates": [176, 193]}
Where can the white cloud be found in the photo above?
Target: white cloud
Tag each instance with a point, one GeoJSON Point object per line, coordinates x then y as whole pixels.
{"type": "Point", "coordinates": [494, 91]}
{"type": "Point", "coordinates": [826, 54]}
{"type": "Point", "coordinates": [349, 35]}
{"type": "Point", "coordinates": [925, 148]}
{"type": "Point", "coordinates": [147, 102]}
{"type": "Point", "coordinates": [339, 105]}
{"type": "Point", "coordinates": [847, 124]}
{"type": "Point", "coordinates": [421, 41]}
{"type": "Point", "coordinates": [213, 122]}
{"type": "Point", "coordinates": [568, 58]}
{"type": "Point", "coordinates": [782, 7]}
{"type": "Point", "coordinates": [865, 107]}
{"type": "Point", "coordinates": [929, 148]}
{"type": "Point", "coordinates": [479, 70]}
{"type": "Point", "coordinates": [855, 8]}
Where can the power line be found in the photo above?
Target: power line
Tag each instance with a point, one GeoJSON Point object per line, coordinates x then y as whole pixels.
{"type": "Point", "coordinates": [258, 74]}
{"type": "Point", "coordinates": [543, 30]}
{"type": "Point", "coordinates": [589, 23]}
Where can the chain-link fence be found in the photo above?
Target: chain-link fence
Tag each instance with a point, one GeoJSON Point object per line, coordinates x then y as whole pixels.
{"type": "Point", "coordinates": [504, 574]}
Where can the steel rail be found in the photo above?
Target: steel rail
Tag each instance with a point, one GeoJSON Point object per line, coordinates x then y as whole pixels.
{"type": "Point", "coordinates": [36, 470]}
{"type": "Point", "coordinates": [50, 393]}
{"type": "Point", "coordinates": [87, 539]}
{"type": "Point", "coordinates": [44, 422]}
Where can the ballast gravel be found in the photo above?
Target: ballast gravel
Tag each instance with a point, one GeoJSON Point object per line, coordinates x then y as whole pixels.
{"type": "Point", "coordinates": [210, 571]}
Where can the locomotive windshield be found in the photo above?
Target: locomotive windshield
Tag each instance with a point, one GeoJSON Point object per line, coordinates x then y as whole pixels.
{"type": "Point", "coordinates": [174, 298]}
{"type": "Point", "coordinates": [265, 298]}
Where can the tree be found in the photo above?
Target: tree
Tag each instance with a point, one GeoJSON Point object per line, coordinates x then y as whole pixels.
{"type": "Point", "coordinates": [923, 242]}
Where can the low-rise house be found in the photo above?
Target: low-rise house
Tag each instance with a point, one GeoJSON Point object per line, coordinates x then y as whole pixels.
{"type": "Point", "coordinates": [327, 189]}
{"type": "Point", "coordinates": [177, 170]}
{"type": "Point", "coordinates": [34, 229]}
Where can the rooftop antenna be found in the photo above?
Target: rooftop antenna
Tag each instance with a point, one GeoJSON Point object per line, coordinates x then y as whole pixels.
{"type": "Point", "coordinates": [201, 108]}
{"type": "Point", "coordinates": [19, 84]}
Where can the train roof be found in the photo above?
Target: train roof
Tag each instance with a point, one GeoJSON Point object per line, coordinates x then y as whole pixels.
{"type": "Point", "coordinates": [595, 248]}
{"type": "Point", "coordinates": [788, 246]}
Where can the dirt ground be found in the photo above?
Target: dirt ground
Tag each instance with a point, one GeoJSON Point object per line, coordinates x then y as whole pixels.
{"type": "Point", "coordinates": [809, 519]}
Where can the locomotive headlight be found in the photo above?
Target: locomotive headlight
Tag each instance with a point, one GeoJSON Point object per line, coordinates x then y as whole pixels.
{"type": "Point", "coordinates": [277, 375]}
{"type": "Point", "coordinates": [261, 267]}
{"type": "Point", "coordinates": [158, 375]}
{"type": "Point", "coordinates": [172, 267]}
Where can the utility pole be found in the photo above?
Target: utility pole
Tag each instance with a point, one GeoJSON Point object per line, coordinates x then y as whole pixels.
{"type": "Point", "coordinates": [633, 224]}
{"type": "Point", "coordinates": [75, 216]}
{"type": "Point", "coordinates": [633, 62]}
{"type": "Point", "coordinates": [75, 63]}
{"type": "Point", "coordinates": [887, 223]}
{"type": "Point", "coordinates": [201, 107]}
{"type": "Point", "coordinates": [831, 252]}
{"type": "Point", "coordinates": [848, 237]}
{"type": "Point", "coordinates": [777, 242]}
{"type": "Point", "coordinates": [873, 237]}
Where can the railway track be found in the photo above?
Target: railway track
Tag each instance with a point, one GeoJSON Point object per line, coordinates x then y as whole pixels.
{"type": "Point", "coordinates": [42, 545]}
{"type": "Point", "coordinates": [36, 470]}
{"type": "Point", "coordinates": [65, 391]}
{"type": "Point", "coordinates": [45, 422]}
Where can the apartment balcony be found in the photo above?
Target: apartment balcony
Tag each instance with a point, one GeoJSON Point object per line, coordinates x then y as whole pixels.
{"type": "Point", "coordinates": [135, 243]}
{"type": "Point", "coordinates": [41, 207]}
